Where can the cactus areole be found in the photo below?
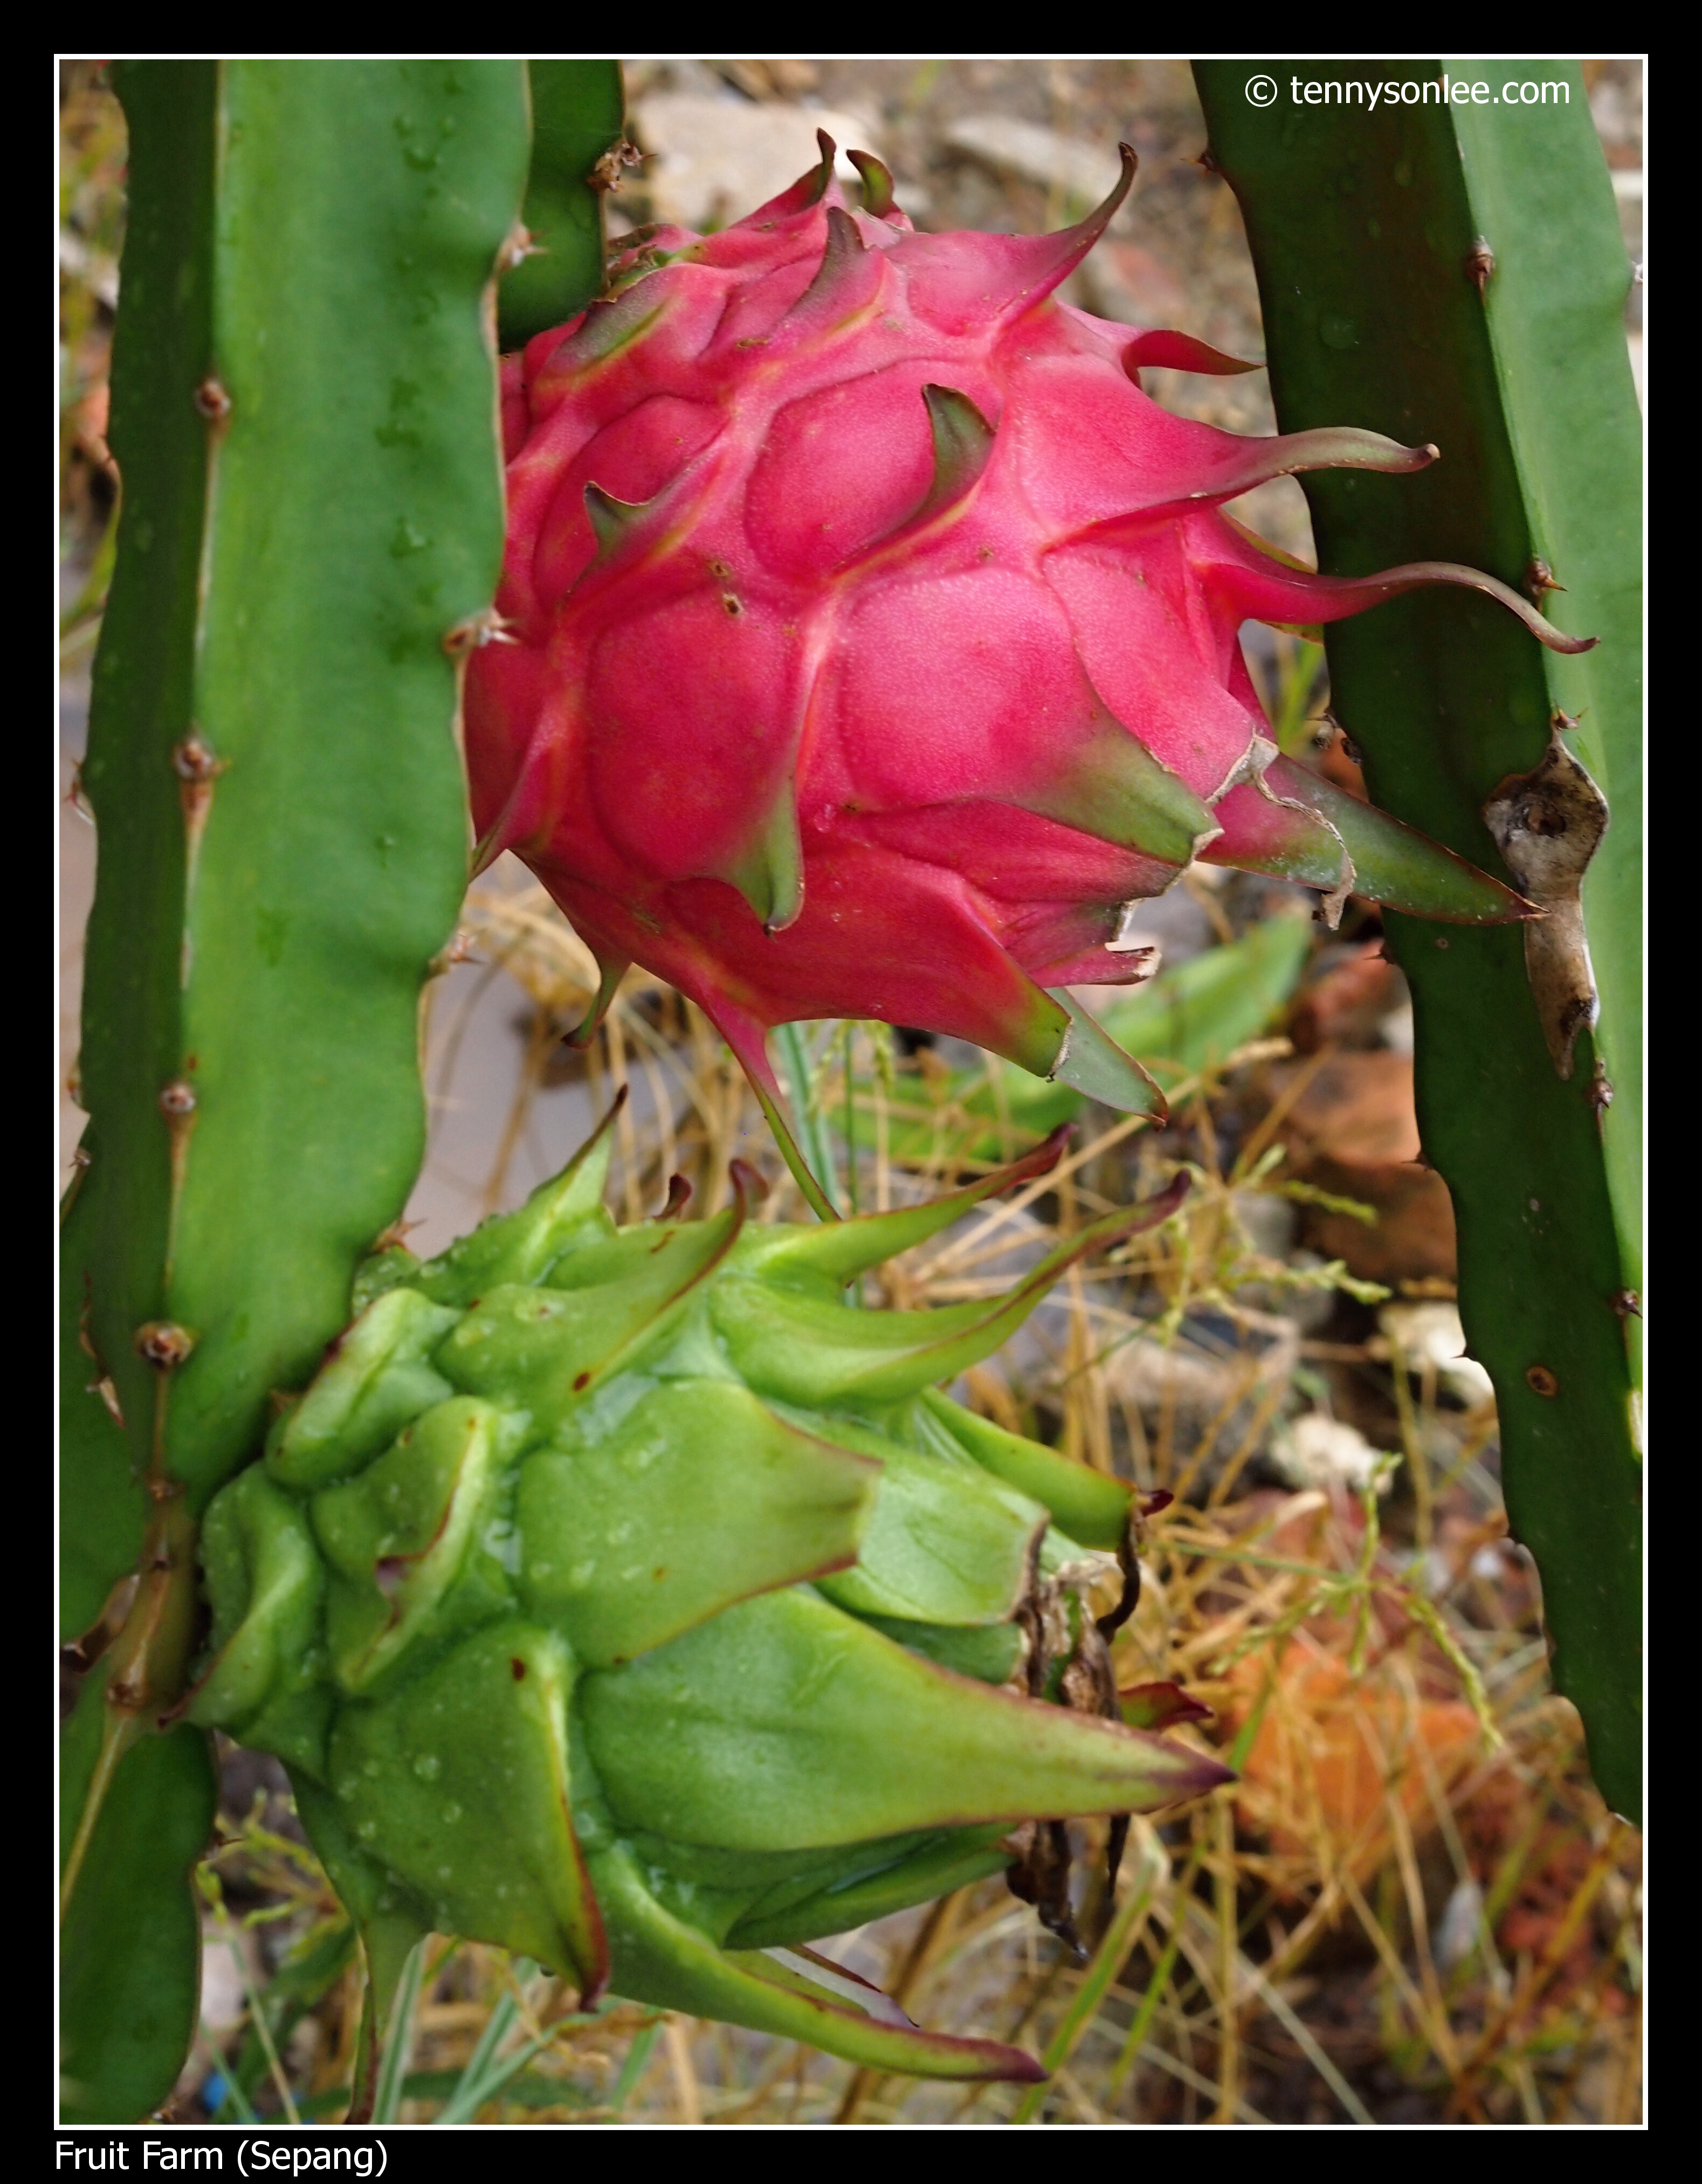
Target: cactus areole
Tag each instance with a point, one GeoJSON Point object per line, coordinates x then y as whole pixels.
{"type": "Point", "coordinates": [869, 638]}
{"type": "Point", "coordinates": [625, 1598]}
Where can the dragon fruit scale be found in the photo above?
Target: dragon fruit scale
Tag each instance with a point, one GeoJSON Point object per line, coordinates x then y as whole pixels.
{"type": "Point", "coordinates": [625, 1598]}
{"type": "Point", "coordinates": [871, 637]}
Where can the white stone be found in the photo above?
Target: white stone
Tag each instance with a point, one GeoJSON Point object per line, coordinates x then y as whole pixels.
{"type": "Point", "coordinates": [713, 160]}
{"type": "Point", "coordinates": [1317, 1451]}
{"type": "Point", "coordinates": [1086, 173]}
{"type": "Point", "coordinates": [1431, 1334]}
{"type": "Point", "coordinates": [1457, 1930]}
{"type": "Point", "coordinates": [223, 1994]}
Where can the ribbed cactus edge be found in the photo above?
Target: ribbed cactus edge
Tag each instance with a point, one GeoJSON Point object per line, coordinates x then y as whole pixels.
{"type": "Point", "coordinates": [1455, 273]}
{"type": "Point", "coordinates": [304, 419]}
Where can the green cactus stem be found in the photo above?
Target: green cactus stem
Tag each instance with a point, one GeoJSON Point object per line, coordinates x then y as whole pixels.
{"type": "Point", "coordinates": [303, 398]}
{"type": "Point", "coordinates": [1451, 269]}
{"type": "Point", "coordinates": [579, 121]}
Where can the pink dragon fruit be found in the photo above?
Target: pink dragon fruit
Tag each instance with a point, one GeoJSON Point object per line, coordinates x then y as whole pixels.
{"type": "Point", "coordinates": [872, 637]}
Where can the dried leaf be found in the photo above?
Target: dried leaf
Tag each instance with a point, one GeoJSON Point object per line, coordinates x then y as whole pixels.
{"type": "Point", "coordinates": [1547, 824]}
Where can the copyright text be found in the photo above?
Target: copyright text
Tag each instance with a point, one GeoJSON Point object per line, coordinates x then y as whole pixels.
{"type": "Point", "coordinates": [1439, 91]}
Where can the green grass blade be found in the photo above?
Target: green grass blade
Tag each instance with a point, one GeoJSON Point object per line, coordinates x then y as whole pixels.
{"type": "Point", "coordinates": [471, 2093]}
{"type": "Point", "coordinates": [1195, 1017]}
{"type": "Point", "coordinates": [1363, 229]}
{"type": "Point", "coordinates": [632, 2069]}
{"type": "Point", "coordinates": [391, 2091]}
{"type": "Point", "coordinates": [484, 2077]}
{"type": "Point", "coordinates": [301, 1982]}
{"type": "Point", "coordinates": [236, 2100]}
{"type": "Point", "coordinates": [1108, 1959]}
{"type": "Point", "coordinates": [797, 1074]}
{"type": "Point", "coordinates": [497, 2028]}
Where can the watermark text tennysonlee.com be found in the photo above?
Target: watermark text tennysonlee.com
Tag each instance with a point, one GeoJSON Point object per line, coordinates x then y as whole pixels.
{"type": "Point", "coordinates": [1439, 91]}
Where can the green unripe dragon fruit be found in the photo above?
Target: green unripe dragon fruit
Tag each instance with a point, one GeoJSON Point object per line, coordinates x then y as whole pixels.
{"type": "Point", "coordinates": [869, 637]}
{"type": "Point", "coordinates": [627, 1599]}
